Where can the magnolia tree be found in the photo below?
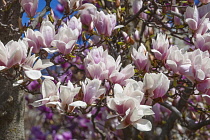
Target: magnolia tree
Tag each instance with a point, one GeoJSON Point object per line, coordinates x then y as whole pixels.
{"type": "Point", "coordinates": [128, 69]}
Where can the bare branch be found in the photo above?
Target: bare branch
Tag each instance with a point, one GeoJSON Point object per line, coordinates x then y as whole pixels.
{"type": "Point", "coordinates": [41, 14]}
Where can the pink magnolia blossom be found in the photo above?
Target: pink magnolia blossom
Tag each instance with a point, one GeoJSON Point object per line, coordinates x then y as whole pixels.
{"type": "Point", "coordinates": [30, 6]}
{"type": "Point", "coordinates": [42, 38]}
{"type": "Point", "coordinates": [104, 23]}
{"type": "Point", "coordinates": [14, 52]}
{"type": "Point", "coordinates": [75, 24]}
{"type": "Point", "coordinates": [99, 64]}
{"type": "Point", "coordinates": [203, 87]}
{"type": "Point", "coordinates": [120, 77]}
{"type": "Point", "coordinates": [177, 61]}
{"type": "Point", "coordinates": [34, 38]}
{"type": "Point", "coordinates": [202, 42]}
{"type": "Point", "coordinates": [92, 90]}
{"type": "Point", "coordinates": [71, 4]}
{"type": "Point", "coordinates": [154, 86]}
{"type": "Point", "coordinates": [160, 47]}
{"type": "Point", "coordinates": [194, 65]}
{"type": "Point", "coordinates": [126, 103]}
{"type": "Point", "coordinates": [65, 40]}
{"type": "Point", "coordinates": [126, 37]}
{"type": "Point", "coordinates": [47, 31]}
{"type": "Point", "coordinates": [137, 5]}
{"type": "Point", "coordinates": [87, 16]}
{"type": "Point", "coordinates": [65, 3]}
{"type": "Point", "coordinates": [205, 1]}
{"type": "Point", "coordinates": [160, 112]}
{"type": "Point", "coordinates": [141, 58]}
{"type": "Point", "coordinates": [192, 17]}
{"type": "Point", "coordinates": [194, 22]}
{"type": "Point", "coordinates": [177, 20]}
{"type": "Point", "coordinates": [200, 62]}
{"type": "Point", "coordinates": [74, 4]}
{"type": "Point", "coordinates": [136, 35]}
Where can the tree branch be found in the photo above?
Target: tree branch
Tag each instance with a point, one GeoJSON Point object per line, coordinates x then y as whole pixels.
{"type": "Point", "coordinates": [41, 14]}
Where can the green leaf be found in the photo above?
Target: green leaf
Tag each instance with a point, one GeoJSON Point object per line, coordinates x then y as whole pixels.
{"type": "Point", "coordinates": [120, 43]}
{"type": "Point", "coordinates": [175, 83]}
{"type": "Point", "coordinates": [51, 18]}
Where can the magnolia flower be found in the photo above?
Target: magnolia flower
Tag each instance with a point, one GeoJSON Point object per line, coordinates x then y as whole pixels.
{"type": "Point", "coordinates": [194, 22]}
{"type": "Point", "coordinates": [66, 95]}
{"type": "Point", "coordinates": [177, 20]}
{"type": "Point", "coordinates": [99, 64]}
{"type": "Point", "coordinates": [141, 58]}
{"type": "Point", "coordinates": [30, 6]}
{"type": "Point", "coordinates": [202, 42]}
{"type": "Point", "coordinates": [200, 65]}
{"type": "Point", "coordinates": [32, 66]}
{"type": "Point", "coordinates": [205, 1]}
{"type": "Point", "coordinates": [75, 24]}
{"type": "Point", "coordinates": [160, 47]}
{"type": "Point", "coordinates": [120, 77]}
{"type": "Point", "coordinates": [13, 53]}
{"type": "Point", "coordinates": [49, 92]}
{"type": "Point", "coordinates": [92, 91]}
{"type": "Point", "coordinates": [87, 16]}
{"type": "Point", "coordinates": [65, 39]}
{"type": "Point", "coordinates": [194, 65]}
{"type": "Point", "coordinates": [104, 23]}
{"type": "Point", "coordinates": [126, 37]}
{"type": "Point", "coordinates": [136, 35]}
{"type": "Point", "coordinates": [65, 3]}
{"type": "Point", "coordinates": [154, 86]}
{"type": "Point", "coordinates": [47, 31]}
{"type": "Point", "coordinates": [34, 38]}
{"type": "Point", "coordinates": [192, 17]}
{"type": "Point", "coordinates": [177, 61]}
{"type": "Point", "coordinates": [137, 5]}
{"type": "Point", "coordinates": [128, 107]}
{"type": "Point", "coordinates": [70, 4]}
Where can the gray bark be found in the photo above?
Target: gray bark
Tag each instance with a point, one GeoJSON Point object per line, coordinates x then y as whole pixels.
{"type": "Point", "coordinates": [11, 99]}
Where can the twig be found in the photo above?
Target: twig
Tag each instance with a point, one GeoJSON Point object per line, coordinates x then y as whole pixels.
{"type": "Point", "coordinates": [94, 126]}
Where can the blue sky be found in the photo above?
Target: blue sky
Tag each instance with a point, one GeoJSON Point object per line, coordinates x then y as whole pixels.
{"type": "Point", "coordinates": [40, 7]}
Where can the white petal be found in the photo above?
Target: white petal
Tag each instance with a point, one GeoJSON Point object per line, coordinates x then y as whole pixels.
{"type": "Point", "coordinates": [118, 26]}
{"type": "Point", "coordinates": [40, 102]}
{"type": "Point", "coordinates": [78, 104]}
{"type": "Point", "coordinates": [143, 125]}
{"type": "Point", "coordinates": [50, 50]}
{"type": "Point", "coordinates": [33, 74]}
{"type": "Point", "coordinates": [48, 77]}
{"type": "Point", "coordinates": [17, 83]}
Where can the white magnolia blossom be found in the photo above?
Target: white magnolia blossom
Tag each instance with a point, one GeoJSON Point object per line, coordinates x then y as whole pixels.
{"type": "Point", "coordinates": [65, 40]}
{"type": "Point", "coordinates": [126, 103]}
{"type": "Point", "coordinates": [49, 92]}
{"type": "Point", "coordinates": [32, 66]}
{"type": "Point", "coordinates": [14, 52]}
{"type": "Point", "coordinates": [59, 96]}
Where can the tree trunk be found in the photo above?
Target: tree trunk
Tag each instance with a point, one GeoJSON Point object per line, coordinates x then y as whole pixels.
{"type": "Point", "coordinates": [11, 111]}
{"type": "Point", "coordinates": [11, 99]}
